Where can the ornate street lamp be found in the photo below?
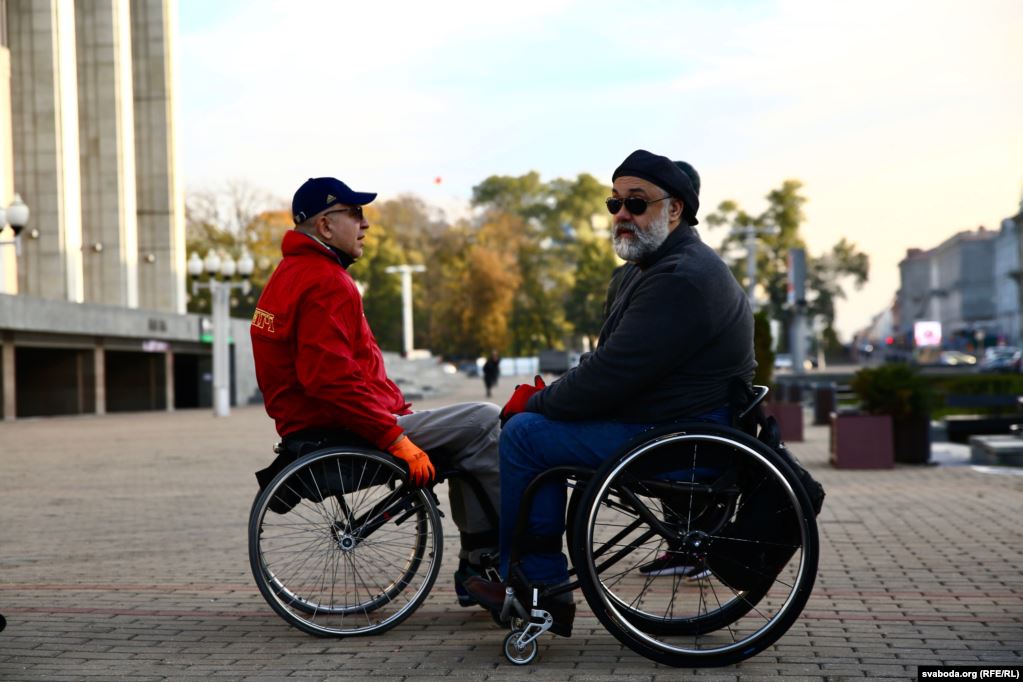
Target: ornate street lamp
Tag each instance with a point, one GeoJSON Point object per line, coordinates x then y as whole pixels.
{"type": "Point", "coordinates": [16, 215]}
{"type": "Point", "coordinates": [221, 272]}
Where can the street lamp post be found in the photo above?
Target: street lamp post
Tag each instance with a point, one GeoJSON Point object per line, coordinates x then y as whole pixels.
{"type": "Point", "coordinates": [406, 300]}
{"type": "Point", "coordinates": [220, 295]}
{"type": "Point", "coordinates": [750, 233]}
{"type": "Point", "coordinates": [17, 216]}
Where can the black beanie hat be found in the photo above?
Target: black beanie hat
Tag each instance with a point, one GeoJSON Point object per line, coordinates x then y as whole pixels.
{"type": "Point", "coordinates": [663, 172]}
{"type": "Point", "coordinates": [694, 177]}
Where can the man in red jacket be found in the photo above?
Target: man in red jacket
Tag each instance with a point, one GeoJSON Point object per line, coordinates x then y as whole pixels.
{"type": "Point", "coordinates": [323, 377]}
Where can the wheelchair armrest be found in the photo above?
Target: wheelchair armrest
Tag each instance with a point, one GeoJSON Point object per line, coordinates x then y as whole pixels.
{"type": "Point", "coordinates": [759, 393]}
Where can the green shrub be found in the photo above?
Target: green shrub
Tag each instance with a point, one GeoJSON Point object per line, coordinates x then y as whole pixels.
{"type": "Point", "coordinates": [762, 342]}
{"type": "Point", "coordinates": [973, 384]}
{"type": "Point", "coordinates": [897, 390]}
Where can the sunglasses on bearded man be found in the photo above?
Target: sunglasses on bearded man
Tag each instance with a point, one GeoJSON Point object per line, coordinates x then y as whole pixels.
{"type": "Point", "coordinates": [633, 205]}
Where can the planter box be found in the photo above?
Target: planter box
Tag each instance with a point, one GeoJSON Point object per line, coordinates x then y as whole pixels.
{"type": "Point", "coordinates": [861, 441]}
{"type": "Point", "coordinates": [790, 419]}
{"type": "Point", "coordinates": [911, 439]}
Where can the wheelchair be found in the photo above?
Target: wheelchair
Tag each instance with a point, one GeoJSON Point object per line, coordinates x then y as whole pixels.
{"type": "Point", "coordinates": [341, 545]}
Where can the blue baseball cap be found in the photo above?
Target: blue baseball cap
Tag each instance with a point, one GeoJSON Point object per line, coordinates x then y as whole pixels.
{"type": "Point", "coordinates": [319, 194]}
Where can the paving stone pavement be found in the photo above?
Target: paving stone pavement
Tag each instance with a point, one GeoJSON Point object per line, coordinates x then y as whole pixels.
{"type": "Point", "coordinates": [123, 556]}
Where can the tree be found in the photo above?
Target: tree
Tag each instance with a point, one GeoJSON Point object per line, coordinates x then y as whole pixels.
{"type": "Point", "coordinates": [595, 261]}
{"type": "Point", "coordinates": [475, 277]}
{"type": "Point", "coordinates": [562, 255]}
{"type": "Point", "coordinates": [381, 290]}
{"type": "Point", "coordinates": [778, 227]}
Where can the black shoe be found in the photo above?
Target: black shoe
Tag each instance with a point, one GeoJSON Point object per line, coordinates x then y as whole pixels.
{"type": "Point", "coordinates": [464, 572]}
{"type": "Point", "coordinates": [491, 595]}
{"type": "Point", "coordinates": [486, 569]}
{"type": "Point", "coordinates": [486, 593]}
{"type": "Point", "coordinates": [675, 563]}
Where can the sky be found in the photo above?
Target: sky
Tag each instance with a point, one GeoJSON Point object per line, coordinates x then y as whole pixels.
{"type": "Point", "coordinates": [903, 120]}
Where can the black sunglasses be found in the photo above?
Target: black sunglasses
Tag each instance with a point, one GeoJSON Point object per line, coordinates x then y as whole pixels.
{"type": "Point", "coordinates": [633, 205]}
{"type": "Point", "coordinates": [356, 211]}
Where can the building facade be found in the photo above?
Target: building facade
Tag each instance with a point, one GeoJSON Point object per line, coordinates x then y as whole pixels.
{"type": "Point", "coordinates": [92, 302]}
{"type": "Point", "coordinates": [970, 283]}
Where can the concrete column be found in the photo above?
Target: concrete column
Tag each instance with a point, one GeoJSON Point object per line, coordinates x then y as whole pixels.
{"type": "Point", "coordinates": [160, 203]}
{"type": "Point", "coordinates": [8, 263]}
{"type": "Point", "coordinates": [107, 151]}
{"type": "Point", "coordinates": [99, 361]}
{"type": "Point", "coordinates": [169, 379]}
{"type": "Point", "coordinates": [44, 106]}
{"type": "Point", "coordinates": [9, 388]}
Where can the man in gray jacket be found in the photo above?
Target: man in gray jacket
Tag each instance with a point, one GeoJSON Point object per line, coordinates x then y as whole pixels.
{"type": "Point", "coordinates": [677, 333]}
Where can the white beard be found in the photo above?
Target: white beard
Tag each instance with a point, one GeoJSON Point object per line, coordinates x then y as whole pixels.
{"type": "Point", "coordinates": [642, 243]}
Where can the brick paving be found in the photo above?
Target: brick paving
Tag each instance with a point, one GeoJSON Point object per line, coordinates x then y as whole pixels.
{"type": "Point", "coordinates": [123, 556]}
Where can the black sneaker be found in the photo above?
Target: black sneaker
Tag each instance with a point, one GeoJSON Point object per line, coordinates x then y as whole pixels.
{"type": "Point", "coordinates": [674, 563]}
{"type": "Point", "coordinates": [467, 570]}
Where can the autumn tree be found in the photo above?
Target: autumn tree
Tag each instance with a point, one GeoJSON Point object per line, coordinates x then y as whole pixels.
{"type": "Point", "coordinates": [474, 277]}
{"type": "Point", "coordinates": [564, 257]}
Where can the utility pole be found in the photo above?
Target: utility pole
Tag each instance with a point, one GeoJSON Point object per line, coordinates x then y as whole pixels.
{"type": "Point", "coordinates": [406, 301]}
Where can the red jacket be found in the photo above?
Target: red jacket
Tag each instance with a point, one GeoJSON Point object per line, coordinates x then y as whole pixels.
{"type": "Point", "coordinates": [317, 362]}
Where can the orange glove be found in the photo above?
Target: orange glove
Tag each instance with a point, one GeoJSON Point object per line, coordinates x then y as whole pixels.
{"type": "Point", "coordinates": [518, 400]}
{"type": "Point", "coordinates": [420, 468]}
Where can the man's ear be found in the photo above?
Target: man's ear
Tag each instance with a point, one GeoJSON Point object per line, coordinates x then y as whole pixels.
{"type": "Point", "coordinates": [322, 226]}
{"type": "Point", "coordinates": [675, 212]}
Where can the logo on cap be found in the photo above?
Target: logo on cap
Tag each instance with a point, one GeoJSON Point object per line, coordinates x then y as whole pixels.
{"type": "Point", "coordinates": [330, 198]}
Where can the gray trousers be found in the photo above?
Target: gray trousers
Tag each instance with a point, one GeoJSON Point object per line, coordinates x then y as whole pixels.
{"type": "Point", "coordinates": [464, 437]}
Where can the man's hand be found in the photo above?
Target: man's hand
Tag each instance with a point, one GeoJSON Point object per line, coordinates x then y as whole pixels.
{"type": "Point", "coordinates": [519, 398]}
{"type": "Point", "coordinates": [420, 468]}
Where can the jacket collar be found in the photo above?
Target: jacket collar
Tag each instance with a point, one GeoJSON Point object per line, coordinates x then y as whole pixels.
{"type": "Point", "coordinates": [680, 236]}
{"type": "Point", "coordinates": [297, 243]}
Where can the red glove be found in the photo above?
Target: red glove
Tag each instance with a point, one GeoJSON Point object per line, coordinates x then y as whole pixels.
{"type": "Point", "coordinates": [519, 398]}
{"type": "Point", "coordinates": [420, 468]}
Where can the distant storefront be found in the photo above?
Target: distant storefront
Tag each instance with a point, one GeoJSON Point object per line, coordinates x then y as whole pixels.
{"type": "Point", "coordinates": [61, 358]}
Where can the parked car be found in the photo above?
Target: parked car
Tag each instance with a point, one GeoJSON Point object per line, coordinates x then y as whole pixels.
{"type": "Point", "coordinates": [956, 358]}
{"type": "Point", "coordinates": [784, 361]}
{"type": "Point", "coordinates": [1001, 359]}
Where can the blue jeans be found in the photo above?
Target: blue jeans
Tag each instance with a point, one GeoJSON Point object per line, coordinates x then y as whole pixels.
{"type": "Point", "coordinates": [532, 444]}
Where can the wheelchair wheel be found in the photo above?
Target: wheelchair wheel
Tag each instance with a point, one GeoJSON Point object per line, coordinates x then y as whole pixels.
{"type": "Point", "coordinates": [713, 499]}
{"type": "Point", "coordinates": [339, 545]}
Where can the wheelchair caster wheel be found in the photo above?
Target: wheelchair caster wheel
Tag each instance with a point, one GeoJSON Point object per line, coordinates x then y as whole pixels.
{"type": "Point", "coordinates": [523, 656]}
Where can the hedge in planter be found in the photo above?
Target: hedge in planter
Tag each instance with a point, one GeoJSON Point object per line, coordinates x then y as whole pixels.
{"type": "Point", "coordinates": [900, 392]}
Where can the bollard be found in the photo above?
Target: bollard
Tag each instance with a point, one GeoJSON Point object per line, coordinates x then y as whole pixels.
{"type": "Point", "coordinates": [825, 401]}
